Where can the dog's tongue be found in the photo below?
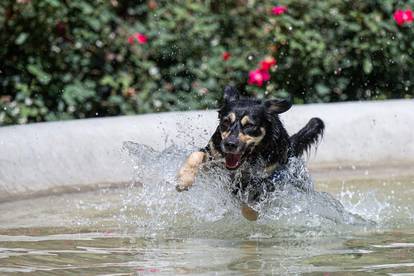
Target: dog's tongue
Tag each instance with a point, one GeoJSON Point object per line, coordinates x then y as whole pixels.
{"type": "Point", "coordinates": [232, 160]}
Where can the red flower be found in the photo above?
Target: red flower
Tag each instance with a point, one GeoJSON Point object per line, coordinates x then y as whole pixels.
{"type": "Point", "coordinates": [141, 38]}
{"type": "Point", "coordinates": [60, 28]}
{"type": "Point", "coordinates": [278, 10]}
{"type": "Point", "coordinates": [257, 77]}
{"type": "Point", "coordinates": [267, 63]}
{"type": "Point", "coordinates": [402, 17]}
{"type": "Point", "coordinates": [226, 56]}
{"type": "Point", "coordinates": [408, 16]}
{"type": "Point", "coordinates": [131, 39]}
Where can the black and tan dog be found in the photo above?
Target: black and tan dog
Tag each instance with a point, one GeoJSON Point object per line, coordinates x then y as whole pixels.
{"type": "Point", "coordinates": [250, 135]}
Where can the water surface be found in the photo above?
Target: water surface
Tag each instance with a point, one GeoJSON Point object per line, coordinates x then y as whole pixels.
{"type": "Point", "coordinates": [148, 228]}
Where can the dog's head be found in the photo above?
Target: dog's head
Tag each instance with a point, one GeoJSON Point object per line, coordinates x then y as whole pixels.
{"type": "Point", "coordinates": [244, 123]}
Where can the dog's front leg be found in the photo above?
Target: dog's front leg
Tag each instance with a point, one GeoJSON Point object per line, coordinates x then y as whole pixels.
{"type": "Point", "coordinates": [187, 173]}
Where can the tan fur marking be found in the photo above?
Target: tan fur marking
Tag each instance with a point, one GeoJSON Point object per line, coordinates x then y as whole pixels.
{"type": "Point", "coordinates": [247, 139]}
{"type": "Point", "coordinates": [213, 151]}
{"type": "Point", "coordinates": [245, 120]}
{"type": "Point", "coordinates": [271, 168]}
{"type": "Point", "coordinates": [232, 117]}
{"type": "Point", "coordinates": [187, 173]}
{"type": "Point", "coordinates": [225, 134]}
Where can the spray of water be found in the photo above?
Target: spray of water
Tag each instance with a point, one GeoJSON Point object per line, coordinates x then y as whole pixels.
{"type": "Point", "coordinates": [153, 206]}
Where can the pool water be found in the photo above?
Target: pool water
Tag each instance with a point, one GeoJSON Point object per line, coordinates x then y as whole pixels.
{"type": "Point", "coordinates": [358, 226]}
{"type": "Point", "coordinates": [86, 234]}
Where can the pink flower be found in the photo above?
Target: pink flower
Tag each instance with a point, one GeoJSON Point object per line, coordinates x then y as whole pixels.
{"type": "Point", "coordinates": [141, 38]}
{"type": "Point", "coordinates": [278, 10]}
{"type": "Point", "coordinates": [402, 17]}
{"type": "Point", "coordinates": [257, 77]}
{"type": "Point", "coordinates": [267, 63]}
{"type": "Point", "coordinates": [226, 56]}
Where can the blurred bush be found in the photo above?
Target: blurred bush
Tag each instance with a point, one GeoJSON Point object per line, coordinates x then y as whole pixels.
{"type": "Point", "coordinates": [64, 59]}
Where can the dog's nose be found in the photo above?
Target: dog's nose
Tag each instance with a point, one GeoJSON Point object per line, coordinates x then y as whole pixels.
{"type": "Point", "coordinates": [230, 145]}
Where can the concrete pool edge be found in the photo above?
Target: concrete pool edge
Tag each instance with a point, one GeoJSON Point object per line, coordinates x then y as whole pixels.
{"type": "Point", "coordinates": [57, 157]}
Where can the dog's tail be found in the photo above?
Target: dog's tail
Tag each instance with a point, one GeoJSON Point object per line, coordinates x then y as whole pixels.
{"type": "Point", "coordinates": [308, 135]}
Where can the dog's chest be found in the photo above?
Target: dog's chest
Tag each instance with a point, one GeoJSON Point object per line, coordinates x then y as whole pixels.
{"type": "Point", "coordinates": [251, 184]}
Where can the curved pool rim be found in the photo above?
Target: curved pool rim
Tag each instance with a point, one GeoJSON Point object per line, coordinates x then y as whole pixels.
{"type": "Point", "coordinates": [80, 155]}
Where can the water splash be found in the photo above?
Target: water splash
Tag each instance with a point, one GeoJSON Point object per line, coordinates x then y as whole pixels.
{"type": "Point", "coordinates": [385, 208]}
{"type": "Point", "coordinates": [154, 207]}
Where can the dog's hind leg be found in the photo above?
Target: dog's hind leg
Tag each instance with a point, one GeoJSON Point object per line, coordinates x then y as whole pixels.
{"type": "Point", "coordinates": [310, 134]}
{"type": "Point", "coordinates": [248, 212]}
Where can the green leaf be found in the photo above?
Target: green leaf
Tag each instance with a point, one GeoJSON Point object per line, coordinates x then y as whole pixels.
{"type": "Point", "coordinates": [322, 89]}
{"type": "Point", "coordinates": [38, 72]}
{"type": "Point", "coordinates": [53, 3]}
{"type": "Point", "coordinates": [367, 65]}
{"type": "Point", "coordinates": [21, 38]}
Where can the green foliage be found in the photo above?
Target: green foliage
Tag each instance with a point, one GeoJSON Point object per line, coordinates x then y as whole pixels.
{"type": "Point", "coordinates": [72, 59]}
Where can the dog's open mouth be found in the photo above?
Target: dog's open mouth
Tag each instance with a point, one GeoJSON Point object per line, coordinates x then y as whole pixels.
{"type": "Point", "coordinates": [233, 161]}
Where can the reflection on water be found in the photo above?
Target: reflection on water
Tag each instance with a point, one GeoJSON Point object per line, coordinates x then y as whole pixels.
{"type": "Point", "coordinates": [111, 253]}
{"type": "Point", "coordinates": [149, 228]}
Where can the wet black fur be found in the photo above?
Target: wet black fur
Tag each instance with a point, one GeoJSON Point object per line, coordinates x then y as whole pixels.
{"type": "Point", "coordinates": [276, 146]}
{"type": "Point", "coordinates": [308, 135]}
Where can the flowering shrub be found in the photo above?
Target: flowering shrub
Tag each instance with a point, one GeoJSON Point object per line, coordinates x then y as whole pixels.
{"type": "Point", "coordinates": [267, 63]}
{"type": "Point", "coordinates": [278, 10]}
{"type": "Point", "coordinates": [140, 38]}
{"type": "Point", "coordinates": [258, 77]}
{"type": "Point", "coordinates": [226, 56]}
{"type": "Point", "coordinates": [403, 17]}
{"type": "Point", "coordinates": [77, 59]}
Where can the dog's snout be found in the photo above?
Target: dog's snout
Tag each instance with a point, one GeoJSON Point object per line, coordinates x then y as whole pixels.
{"type": "Point", "coordinates": [231, 145]}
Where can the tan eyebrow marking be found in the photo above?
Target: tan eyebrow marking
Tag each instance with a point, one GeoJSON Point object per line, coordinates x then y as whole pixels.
{"type": "Point", "coordinates": [245, 120]}
{"type": "Point", "coordinates": [225, 134]}
{"type": "Point", "coordinates": [252, 139]}
{"type": "Point", "coordinates": [232, 117]}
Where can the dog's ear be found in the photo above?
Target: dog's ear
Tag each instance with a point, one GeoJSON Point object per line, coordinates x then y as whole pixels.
{"type": "Point", "coordinates": [230, 94]}
{"type": "Point", "coordinates": [277, 106]}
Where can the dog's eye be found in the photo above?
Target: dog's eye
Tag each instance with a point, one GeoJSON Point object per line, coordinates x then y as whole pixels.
{"type": "Point", "coordinates": [249, 126]}
{"type": "Point", "coordinates": [250, 129]}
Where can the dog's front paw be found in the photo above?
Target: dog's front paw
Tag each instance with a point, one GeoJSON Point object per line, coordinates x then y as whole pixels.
{"type": "Point", "coordinates": [185, 181]}
{"type": "Point", "coordinates": [188, 171]}
{"type": "Point", "coordinates": [180, 189]}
